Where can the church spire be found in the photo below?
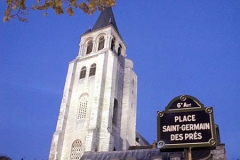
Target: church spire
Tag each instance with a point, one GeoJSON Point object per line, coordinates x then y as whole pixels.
{"type": "Point", "coordinates": [105, 18]}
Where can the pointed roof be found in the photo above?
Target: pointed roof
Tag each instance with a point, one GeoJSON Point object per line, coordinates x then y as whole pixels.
{"type": "Point", "coordinates": [105, 18]}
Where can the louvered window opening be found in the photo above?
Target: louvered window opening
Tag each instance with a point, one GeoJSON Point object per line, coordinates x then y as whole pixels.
{"type": "Point", "coordinates": [101, 43]}
{"type": "Point", "coordinates": [82, 111]}
{"type": "Point", "coordinates": [113, 44]}
{"type": "Point", "coordinates": [76, 150]}
{"type": "Point", "coordinates": [119, 50]}
{"type": "Point", "coordinates": [89, 47]}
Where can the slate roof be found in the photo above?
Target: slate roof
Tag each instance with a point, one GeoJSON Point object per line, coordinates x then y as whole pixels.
{"type": "Point", "coordinates": [200, 153]}
{"type": "Point", "coordinates": [140, 154]}
{"type": "Point", "coordinates": [105, 18]}
{"type": "Point", "coordinates": [143, 154]}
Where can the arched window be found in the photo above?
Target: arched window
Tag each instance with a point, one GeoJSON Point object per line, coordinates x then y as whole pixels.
{"type": "Point", "coordinates": [115, 112]}
{"type": "Point", "coordinates": [83, 72]}
{"type": "Point", "coordinates": [89, 47]}
{"type": "Point", "coordinates": [76, 150]}
{"type": "Point", "coordinates": [92, 70]}
{"type": "Point", "coordinates": [113, 44]}
{"type": "Point", "coordinates": [119, 49]}
{"type": "Point", "coordinates": [82, 109]}
{"type": "Point", "coordinates": [101, 43]}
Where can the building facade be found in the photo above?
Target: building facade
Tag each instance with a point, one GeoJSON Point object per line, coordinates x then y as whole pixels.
{"type": "Point", "coordinates": [98, 108]}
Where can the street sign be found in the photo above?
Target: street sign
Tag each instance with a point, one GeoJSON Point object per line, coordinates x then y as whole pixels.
{"type": "Point", "coordinates": [186, 123]}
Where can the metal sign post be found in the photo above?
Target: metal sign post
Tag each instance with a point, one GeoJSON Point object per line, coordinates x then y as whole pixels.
{"type": "Point", "coordinates": [189, 153]}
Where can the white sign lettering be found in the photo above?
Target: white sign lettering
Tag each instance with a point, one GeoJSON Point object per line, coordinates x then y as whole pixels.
{"type": "Point", "coordinates": [185, 118]}
{"type": "Point", "coordinates": [184, 105]}
{"type": "Point", "coordinates": [184, 126]}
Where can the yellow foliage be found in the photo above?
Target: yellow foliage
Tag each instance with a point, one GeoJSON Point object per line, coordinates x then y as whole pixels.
{"type": "Point", "coordinates": [59, 4]}
{"type": "Point", "coordinates": [6, 18]}
{"type": "Point", "coordinates": [9, 2]}
{"type": "Point", "coordinates": [70, 11]}
{"type": "Point", "coordinates": [7, 12]}
{"type": "Point", "coordinates": [74, 3]}
{"type": "Point", "coordinates": [14, 7]}
{"type": "Point", "coordinates": [59, 10]}
{"type": "Point", "coordinates": [51, 4]}
{"type": "Point", "coordinates": [87, 6]}
{"type": "Point", "coordinates": [82, 5]}
{"type": "Point", "coordinates": [21, 4]}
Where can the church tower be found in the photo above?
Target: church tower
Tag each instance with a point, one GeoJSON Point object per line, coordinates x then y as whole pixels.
{"type": "Point", "coordinates": [98, 108]}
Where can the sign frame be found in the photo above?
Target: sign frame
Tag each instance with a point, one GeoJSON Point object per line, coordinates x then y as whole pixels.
{"type": "Point", "coordinates": [181, 105]}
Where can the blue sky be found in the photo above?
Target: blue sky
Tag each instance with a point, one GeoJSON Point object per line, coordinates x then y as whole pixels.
{"type": "Point", "coordinates": [178, 47]}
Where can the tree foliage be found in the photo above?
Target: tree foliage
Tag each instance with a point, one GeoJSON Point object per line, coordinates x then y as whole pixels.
{"type": "Point", "coordinates": [18, 8]}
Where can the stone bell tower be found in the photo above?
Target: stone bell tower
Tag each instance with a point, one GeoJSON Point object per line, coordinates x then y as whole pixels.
{"type": "Point", "coordinates": [98, 108]}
